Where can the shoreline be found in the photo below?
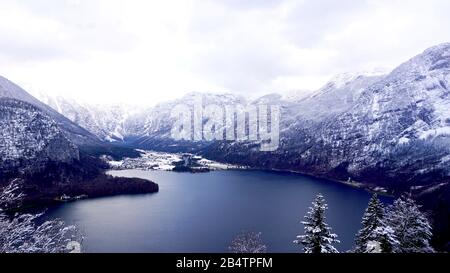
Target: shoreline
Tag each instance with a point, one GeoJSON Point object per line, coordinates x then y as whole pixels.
{"type": "Point", "coordinates": [164, 161]}
{"type": "Point", "coordinates": [354, 184]}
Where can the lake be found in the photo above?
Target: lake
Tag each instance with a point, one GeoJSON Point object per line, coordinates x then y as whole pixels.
{"type": "Point", "coordinates": [203, 212]}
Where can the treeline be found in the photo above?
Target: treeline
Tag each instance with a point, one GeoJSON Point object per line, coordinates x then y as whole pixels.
{"type": "Point", "coordinates": [397, 228]}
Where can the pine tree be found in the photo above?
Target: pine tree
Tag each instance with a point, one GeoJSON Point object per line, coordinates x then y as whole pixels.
{"type": "Point", "coordinates": [375, 236]}
{"type": "Point", "coordinates": [318, 237]}
{"type": "Point", "coordinates": [411, 227]}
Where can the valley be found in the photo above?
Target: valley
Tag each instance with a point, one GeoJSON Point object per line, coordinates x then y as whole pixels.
{"type": "Point", "coordinates": [373, 127]}
{"type": "Point", "coordinates": [386, 132]}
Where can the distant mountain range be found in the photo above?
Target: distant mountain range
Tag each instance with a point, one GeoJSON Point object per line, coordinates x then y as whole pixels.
{"type": "Point", "coordinates": [388, 130]}
{"type": "Point", "coordinates": [383, 130]}
{"type": "Point", "coordinates": [105, 122]}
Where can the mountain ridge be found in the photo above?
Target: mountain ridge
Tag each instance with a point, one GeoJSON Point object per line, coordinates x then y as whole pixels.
{"type": "Point", "coordinates": [354, 124]}
{"type": "Point", "coordinates": [38, 148]}
{"type": "Point", "coordinates": [76, 133]}
{"type": "Point", "coordinates": [389, 132]}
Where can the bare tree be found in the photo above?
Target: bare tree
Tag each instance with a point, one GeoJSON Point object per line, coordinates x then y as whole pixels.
{"type": "Point", "coordinates": [248, 242]}
{"type": "Point", "coordinates": [11, 195]}
{"type": "Point", "coordinates": [20, 233]}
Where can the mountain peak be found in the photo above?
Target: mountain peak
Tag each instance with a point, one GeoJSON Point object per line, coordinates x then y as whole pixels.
{"type": "Point", "coordinates": [340, 80]}
{"type": "Point", "coordinates": [78, 135]}
{"type": "Point", "coordinates": [435, 59]}
{"type": "Point", "coordinates": [441, 48]}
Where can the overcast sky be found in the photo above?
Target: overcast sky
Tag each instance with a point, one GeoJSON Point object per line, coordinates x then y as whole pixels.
{"type": "Point", "coordinates": [148, 51]}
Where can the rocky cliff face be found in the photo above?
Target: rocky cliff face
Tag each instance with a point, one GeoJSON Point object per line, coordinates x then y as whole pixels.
{"type": "Point", "coordinates": [400, 124]}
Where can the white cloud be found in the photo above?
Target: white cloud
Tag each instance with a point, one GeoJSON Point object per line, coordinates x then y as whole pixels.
{"type": "Point", "coordinates": [148, 51]}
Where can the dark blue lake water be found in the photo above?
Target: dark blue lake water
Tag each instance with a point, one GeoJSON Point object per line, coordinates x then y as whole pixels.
{"type": "Point", "coordinates": [203, 212]}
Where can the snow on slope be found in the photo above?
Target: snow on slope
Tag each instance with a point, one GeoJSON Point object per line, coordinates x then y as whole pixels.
{"type": "Point", "coordinates": [29, 138]}
{"type": "Point", "coordinates": [105, 121]}
{"type": "Point", "coordinates": [76, 134]}
{"type": "Point", "coordinates": [391, 130]}
{"type": "Point", "coordinates": [405, 111]}
{"type": "Point", "coordinates": [337, 96]}
{"type": "Point", "coordinates": [156, 121]}
{"type": "Point", "coordinates": [356, 122]}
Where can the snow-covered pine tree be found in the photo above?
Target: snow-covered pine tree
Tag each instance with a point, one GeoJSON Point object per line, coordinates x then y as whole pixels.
{"type": "Point", "coordinates": [375, 236]}
{"type": "Point", "coordinates": [318, 237]}
{"type": "Point", "coordinates": [411, 226]}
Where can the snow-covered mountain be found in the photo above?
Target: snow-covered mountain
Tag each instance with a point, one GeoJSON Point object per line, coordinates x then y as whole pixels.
{"type": "Point", "coordinates": [33, 135]}
{"type": "Point", "coordinates": [51, 155]}
{"type": "Point", "coordinates": [151, 129]}
{"type": "Point", "coordinates": [114, 123]}
{"type": "Point", "coordinates": [391, 130]}
{"type": "Point", "coordinates": [296, 95]}
{"type": "Point", "coordinates": [337, 96]}
{"type": "Point", "coordinates": [368, 126]}
{"type": "Point", "coordinates": [400, 124]}
{"type": "Point", "coordinates": [73, 131]}
{"type": "Point", "coordinates": [383, 130]}
{"type": "Point", "coordinates": [85, 141]}
{"type": "Point", "coordinates": [30, 139]}
{"type": "Point", "coordinates": [107, 122]}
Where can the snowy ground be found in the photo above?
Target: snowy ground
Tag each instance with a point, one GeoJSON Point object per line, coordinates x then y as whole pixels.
{"type": "Point", "coordinates": [151, 160]}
